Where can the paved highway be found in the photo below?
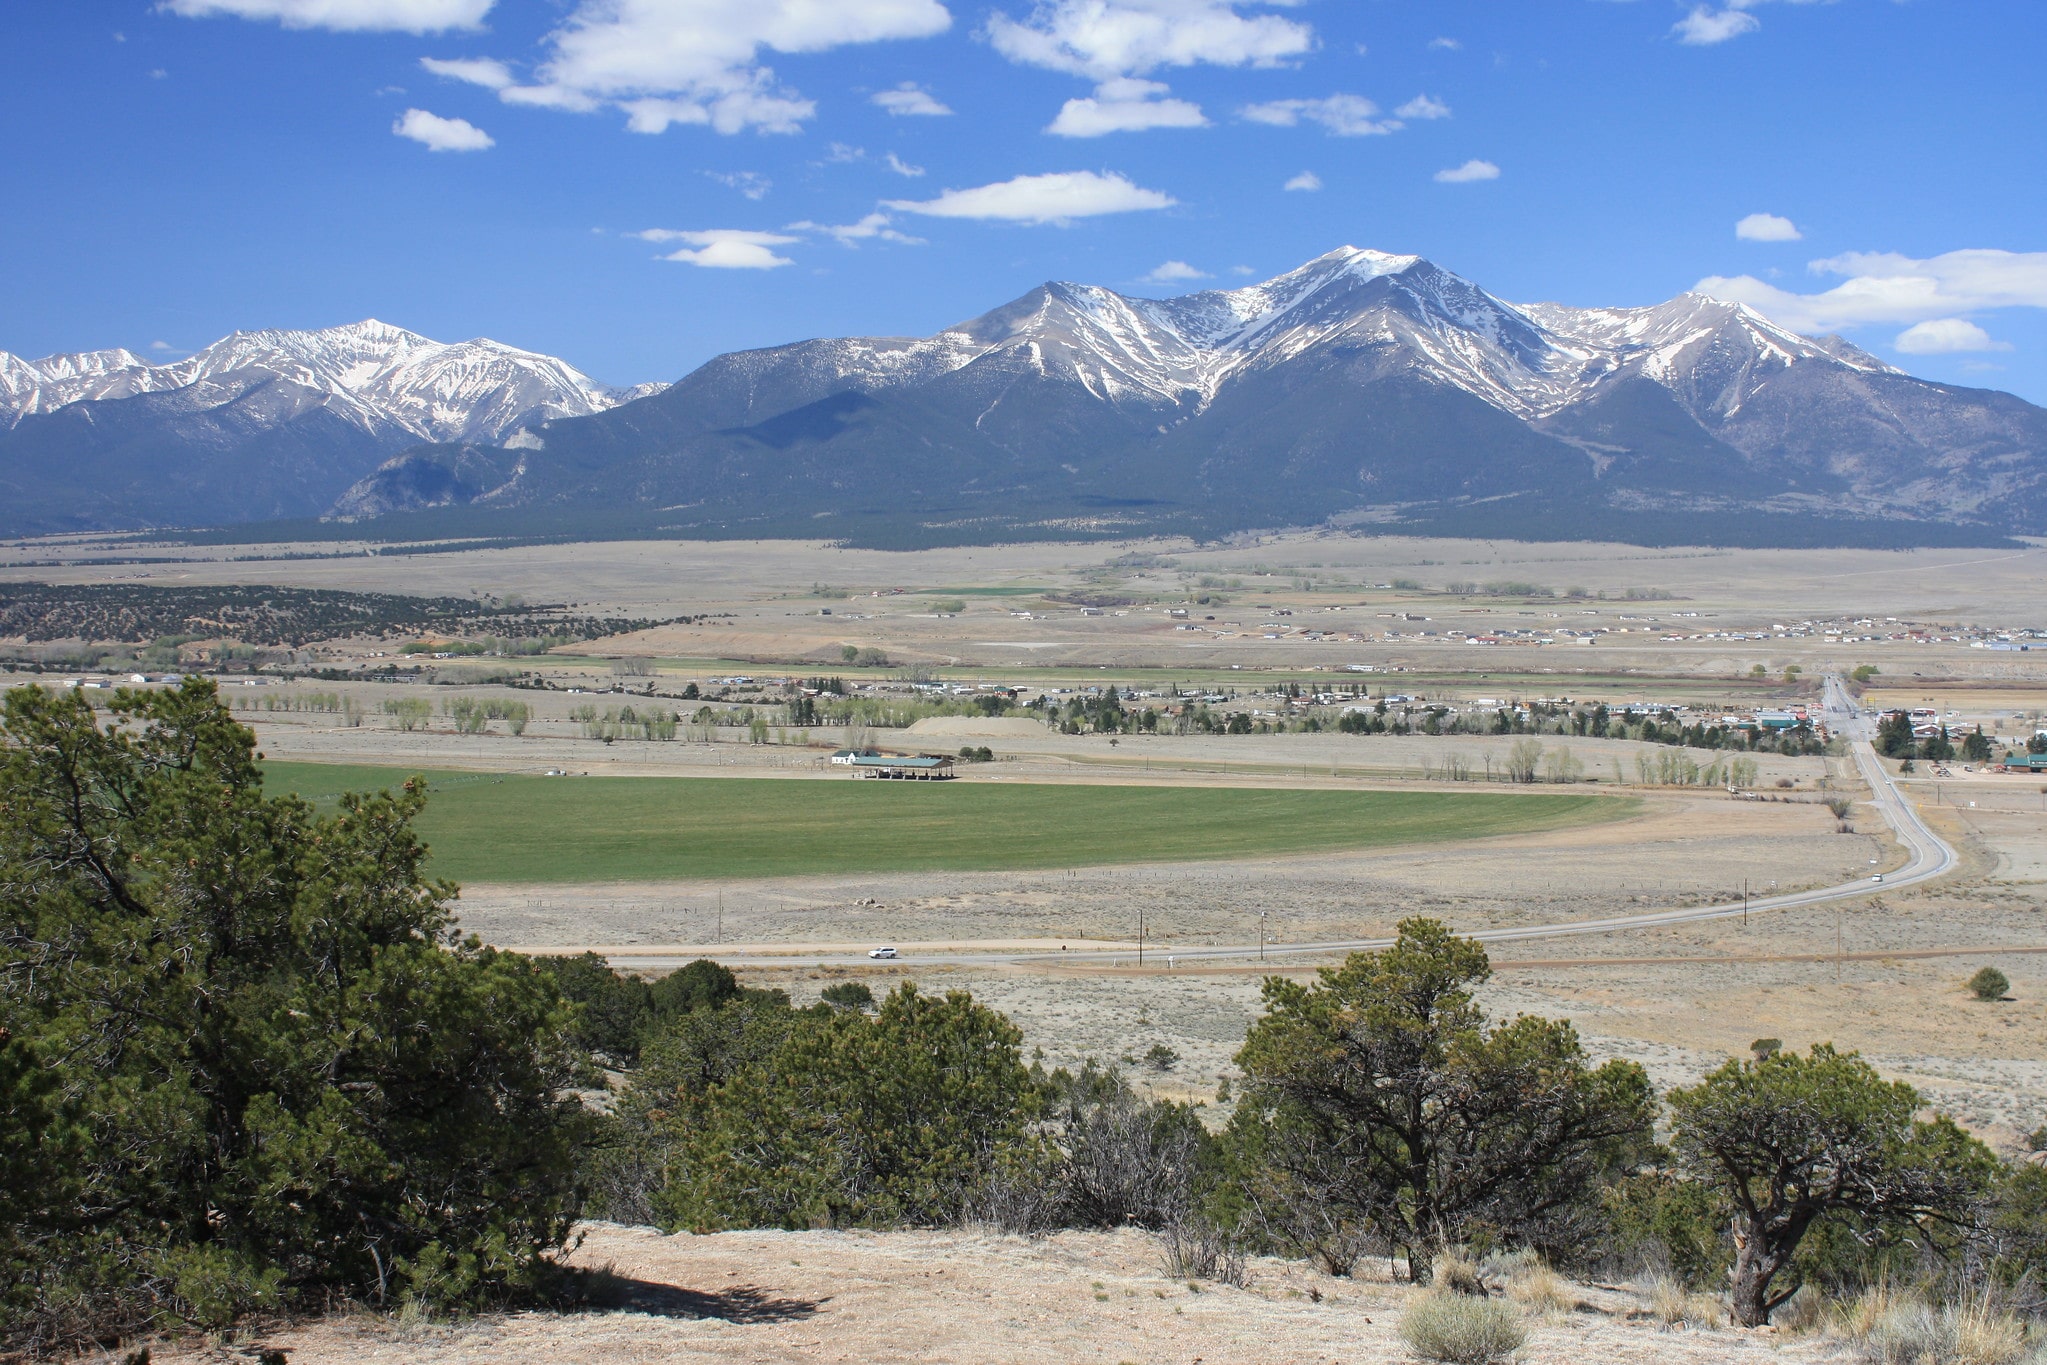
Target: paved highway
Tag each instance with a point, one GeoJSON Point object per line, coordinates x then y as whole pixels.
{"type": "Point", "coordinates": [1929, 858]}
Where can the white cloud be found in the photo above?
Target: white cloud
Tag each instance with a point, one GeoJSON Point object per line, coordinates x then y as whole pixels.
{"type": "Point", "coordinates": [161, 346]}
{"type": "Point", "coordinates": [1946, 336]}
{"type": "Point", "coordinates": [1704, 27]}
{"type": "Point", "coordinates": [1470, 171]}
{"type": "Point", "coordinates": [874, 225]}
{"type": "Point", "coordinates": [1125, 105]}
{"type": "Point", "coordinates": [723, 248]}
{"type": "Point", "coordinates": [1342, 115]}
{"type": "Point", "coordinates": [487, 72]}
{"type": "Point", "coordinates": [1444, 45]}
{"type": "Point", "coordinates": [1174, 272]}
{"type": "Point", "coordinates": [668, 62]}
{"type": "Point", "coordinates": [908, 99]}
{"type": "Point", "coordinates": [1055, 198]}
{"type": "Point", "coordinates": [758, 107]}
{"type": "Point", "coordinates": [839, 153]}
{"type": "Point", "coordinates": [1242, 270]}
{"type": "Point", "coordinates": [1767, 227]}
{"type": "Point", "coordinates": [1114, 42]}
{"type": "Point", "coordinates": [1884, 287]}
{"type": "Point", "coordinates": [901, 167]}
{"type": "Point", "coordinates": [1423, 106]}
{"type": "Point", "coordinates": [439, 134]}
{"type": "Point", "coordinates": [1306, 180]}
{"type": "Point", "coordinates": [752, 184]}
{"type": "Point", "coordinates": [346, 16]}
{"type": "Point", "coordinates": [1108, 38]}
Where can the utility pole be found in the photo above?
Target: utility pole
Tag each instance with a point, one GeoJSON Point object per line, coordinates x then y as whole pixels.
{"type": "Point", "coordinates": [1744, 902]}
{"type": "Point", "coordinates": [1837, 944]}
{"type": "Point", "coordinates": [1261, 936]}
{"type": "Point", "coordinates": [721, 914]}
{"type": "Point", "coordinates": [1140, 933]}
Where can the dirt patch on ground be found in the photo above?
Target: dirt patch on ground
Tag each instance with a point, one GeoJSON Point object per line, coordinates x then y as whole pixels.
{"type": "Point", "coordinates": [971, 1298]}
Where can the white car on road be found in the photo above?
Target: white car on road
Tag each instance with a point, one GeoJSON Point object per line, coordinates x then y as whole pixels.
{"type": "Point", "coordinates": [881, 952]}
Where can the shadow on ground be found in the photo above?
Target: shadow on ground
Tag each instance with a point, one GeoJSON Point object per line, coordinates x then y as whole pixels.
{"type": "Point", "coordinates": [744, 1304]}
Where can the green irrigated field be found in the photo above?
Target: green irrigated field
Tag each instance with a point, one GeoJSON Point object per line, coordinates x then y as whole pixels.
{"type": "Point", "coordinates": [501, 827]}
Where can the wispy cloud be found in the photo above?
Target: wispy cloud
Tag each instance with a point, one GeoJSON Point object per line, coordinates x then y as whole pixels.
{"type": "Point", "coordinates": [1423, 107]}
{"type": "Point", "coordinates": [1341, 115]}
{"type": "Point", "coordinates": [345, 16]}
{"type": "Point", "coordinates": [910, 100]}
{"type": "Point", "coordinates": [752, 184]}
{"type": "Point", "coordinates": [1470, 172]}
{"type": "Point", "coordinates": [1306, 180]}
{"type": "Point", "coordinates": [873, 226]}
{"type": "Point", "coordinates": [900, 166]}
{"type": "Point", "coordinates": [439, 134]}
{"type": "Point", "coordinates": [488, 72]}
{"type": "Point", "coordinates": [1058, 197]}
{"type": "Point", "coordinates": [1705, 27]}
{"type": "Point", "coordinates": [1708, 24]}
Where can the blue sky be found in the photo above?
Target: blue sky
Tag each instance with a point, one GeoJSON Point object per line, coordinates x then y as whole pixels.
{"type": "Point", "coordinates": [636, 185]}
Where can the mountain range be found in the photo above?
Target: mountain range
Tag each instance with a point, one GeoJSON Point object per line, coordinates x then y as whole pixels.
{"type": "Point", "coordinates": [258, 425]}
{"type": "Point", "coordinates": [1360, 389]}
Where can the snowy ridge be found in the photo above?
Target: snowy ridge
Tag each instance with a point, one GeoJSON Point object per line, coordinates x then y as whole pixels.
{"type": "Point", "coordinates": [1530, 360]}
{"type": "Point", "coordinates": [384, 379]}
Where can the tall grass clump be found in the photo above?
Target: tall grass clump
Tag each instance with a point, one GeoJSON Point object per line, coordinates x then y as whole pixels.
{"type": "Point", "coordinates": [1903, 1329]}
{"type": "Point", "coordinates": [1462, 1329]}
{"type": "Point", "coordinates": [1678, 1309]}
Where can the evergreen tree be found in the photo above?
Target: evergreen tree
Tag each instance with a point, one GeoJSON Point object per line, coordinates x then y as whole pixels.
{"type": "Point", "coordinates": [247, 1042]}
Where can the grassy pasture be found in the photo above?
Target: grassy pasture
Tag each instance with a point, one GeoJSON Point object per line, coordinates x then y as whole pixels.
{"type": "Point", "coordinates": [508, 827]}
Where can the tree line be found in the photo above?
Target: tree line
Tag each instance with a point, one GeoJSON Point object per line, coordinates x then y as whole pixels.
{"type": "Point", "coordinates": [262, 614]}
{"type": "Point", "coordinates": [249, 1065]}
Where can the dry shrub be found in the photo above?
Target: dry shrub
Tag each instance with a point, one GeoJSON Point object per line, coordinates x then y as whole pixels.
{"type": "Point", "coordinates": [1803, 1312]}
{"type": "Point", "coordinates": [1680, 1309]}
{"type": "Point", "coordinates": [1459, 1274]}
{"type": "Point", "coordinates": [1858, 1318]}
{"type": "Point", "coordinates": [1897, 1329]}
{"type": "Point", "coordinates": [1195, 1249]}
{"type": "Point", "coordinates": [1461, 1329]}
{"type": "Point", "coordinates": [1541, 1290]}
{"type": "Point", "coordinates": [1529, 1282]}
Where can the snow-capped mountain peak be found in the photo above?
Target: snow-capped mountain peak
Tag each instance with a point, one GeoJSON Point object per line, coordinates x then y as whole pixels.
{"type": "Point", "coordinates": [385, 380]}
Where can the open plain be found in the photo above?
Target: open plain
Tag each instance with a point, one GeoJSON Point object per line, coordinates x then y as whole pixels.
{"type": "Point", "coordinates": [1033, 879]}
{"type": "Point", "coordinates": [1454, 623]}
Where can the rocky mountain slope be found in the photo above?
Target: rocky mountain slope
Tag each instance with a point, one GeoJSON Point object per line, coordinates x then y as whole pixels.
{"type": "Point", "coordinates": [259, 424]}
{"type": "Point", "coordinates": [1360, 387]}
